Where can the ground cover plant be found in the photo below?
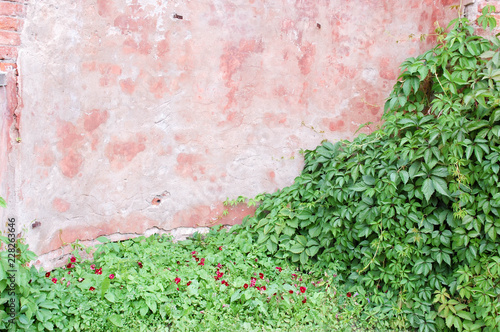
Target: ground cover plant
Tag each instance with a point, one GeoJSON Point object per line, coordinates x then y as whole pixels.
{"type": "Point", "coordinates": [396, 230]}
{"type": "Point", "coordinates": [221, 282]}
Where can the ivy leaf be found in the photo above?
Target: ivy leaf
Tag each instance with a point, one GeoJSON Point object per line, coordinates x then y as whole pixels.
{"type": "Point", "coordinates": [404, 176]}
{"type": "Point", "coordinates": [427, 188]}
{"type": "Point", "coordinates": [297, 248]}
{"type": "Point", "coordinates": [440, 185]}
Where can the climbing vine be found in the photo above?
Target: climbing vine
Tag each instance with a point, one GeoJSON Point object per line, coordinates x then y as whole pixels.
{"type": "Point", "coordinates": [410, 212]}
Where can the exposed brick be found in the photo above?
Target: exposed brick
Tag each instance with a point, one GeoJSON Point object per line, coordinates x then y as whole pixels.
{"type": "Point", "coordinates": [8, 52]}
{"type": "Point", "coordinates": [12, 100]}
{"type": "Point", "coordinates": [7, 66]}
{"type": "Point", "coordinates": [10, 23]}
{"type": "Point", "coordinates": [9, 38]}
{"type": "Point", "coordinates": [11, 9]}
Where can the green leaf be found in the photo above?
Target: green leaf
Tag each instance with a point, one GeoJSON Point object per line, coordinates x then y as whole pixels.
{"type": "Point", "coordinates": [428, 188]}
{"type": "Point", "coordinates": [440, 171]}
{"type": "Point", "coordinates": [465, 315]}
{"type": "Point", "coordinates": [236, 296]}
{"type": "Point", "coordinates": [2, 202]}
{"type": "Point", "coordinates": [404, 176]}
{"type": "Point", "coordinates": [406, 88]}
{"type": "Point", "coordinates": [110, 297]}
{"type": "Point", "coordinates": [104, 286]}
{"type": "Point", "coordinates": [440, 185]}
{"type": "Point", "coordinates": [103, 239]}
{"type": "Point", "coordinates": [312, 251]}
{"type": "Point", "coordinates": [301, 239]}
{"type": "Point", "coordinates": [297, 248]}
{"type": "Point", "coordinates": [495, 116]}
{"type": "Point", "coordinates": [116, 320]}
{"type": "Point", "coordinates": [314, 231]}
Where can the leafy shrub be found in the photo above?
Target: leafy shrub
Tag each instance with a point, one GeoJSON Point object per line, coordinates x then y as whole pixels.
{"type": "Point", "coordinates": [221, 282]}
{"type": "Point", "coordinates": [412, 211]}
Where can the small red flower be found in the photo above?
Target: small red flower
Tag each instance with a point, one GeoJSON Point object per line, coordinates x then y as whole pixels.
{"type": "Point", "coordinates": [140, 264]}
{"type": "Point", "coordinates": [294, 276]}
{"type": "Point", "coordinates": [252, 282]}
{"type": "Point", "coordinates": [189, 283]}
{"type": "Point", "coordinates": [70, 266]}
{"type": "Point", "coordinates": [91, 289]}
{"type": "Point", "coordinates": [178, 262]}
{"type": "Point", "coordinates": [47, 274]}
{"type": "Point", "coordinates": [98, 271]}
{"type": "Point", "coordinates": [111, 276]}
{"type": "Point", "coordinates": [177, 280]}
{"type": "Point", "coordinates": [261, 275]}
{"type": "Point", "coordinates": [197, 259]}
{"type": "Point", "coordinates": [193, 252]}
{"type": "Point", "coordinates": [72, 259]}
{"type": "Point", "coordinates": [177, 288]}
{"type": "Point", "coordinates": [202, 261]}
{"type": "Point", "coordinates": [303, 289]}
{"type": "Point", "coordinates": [304, 300]}
{"type": "Point", "coordinates": [81, 279]}
{"type": "Point", "coordinates": [220, 248]}
{"type": "Point", "coordinates": [279, 269]}
{"type": "Point", "coordinates": [258, 288]}
{"type": "Point", "coordinates": [264, 287]}
{"type": "Point", "coordinates": [349, 294]}
{"type": "Point", "coordinates": [92, 267]}
{"type": "Point", "coordinates": [245, 286]}
{"type": "Point", "coordinates": [54, 280]}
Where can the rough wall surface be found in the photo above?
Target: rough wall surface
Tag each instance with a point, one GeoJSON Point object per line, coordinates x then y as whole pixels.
{"type": "Point", "coordinates": [12, 15]}
{"type": "Point", "coordinates": [144, 115]}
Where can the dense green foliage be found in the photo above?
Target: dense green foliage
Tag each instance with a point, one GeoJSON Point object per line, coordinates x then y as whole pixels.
{"type": "Point", "coordinates": [218, 282]}
{"type": "Point", "coordinates": [410, 212]}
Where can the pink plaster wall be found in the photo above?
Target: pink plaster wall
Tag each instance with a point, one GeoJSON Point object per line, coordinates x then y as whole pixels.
{"type": "Point", "coordinates": [134, 119]}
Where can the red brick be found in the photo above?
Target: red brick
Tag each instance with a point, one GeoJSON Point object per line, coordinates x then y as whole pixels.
{"type": "Point", "coordinates": [8, 52]}
{"type": "Point", "coordinates": [9, 38]}
{"type": "Point", "coordinates": [7, 66]}
{"type": "Point", "coordinates": [12, 100]}
{"type": "Point", "coordinates": [11, 9]}
{"type": "Point", "coordinates": [10, 23]}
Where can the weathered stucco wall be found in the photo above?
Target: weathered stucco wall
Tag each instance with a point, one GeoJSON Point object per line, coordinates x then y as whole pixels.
{"type": "Point", "coordinates": [145, 115]}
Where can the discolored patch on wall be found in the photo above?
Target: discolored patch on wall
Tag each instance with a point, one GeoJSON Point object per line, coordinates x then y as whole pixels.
{"type": "Point", "coordinates": [121, 152]}
{"type": "Point", "coordinates": [60, 205]}
{"type": "Point", "coordinates": [71, 163]}
{"type": "Point", "coordinates": [94, 118]}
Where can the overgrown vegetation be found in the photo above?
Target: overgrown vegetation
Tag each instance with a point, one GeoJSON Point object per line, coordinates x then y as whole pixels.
{"type": "Point", "coordinates": [410, 212]}
{"type": "Point", "coordinates": [221, 282]}
{"type": "Point", "coordinates": [407, 218]}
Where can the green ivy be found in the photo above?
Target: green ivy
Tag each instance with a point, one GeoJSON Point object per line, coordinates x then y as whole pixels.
{"type": "Point", "coordinates": [411, 211]}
